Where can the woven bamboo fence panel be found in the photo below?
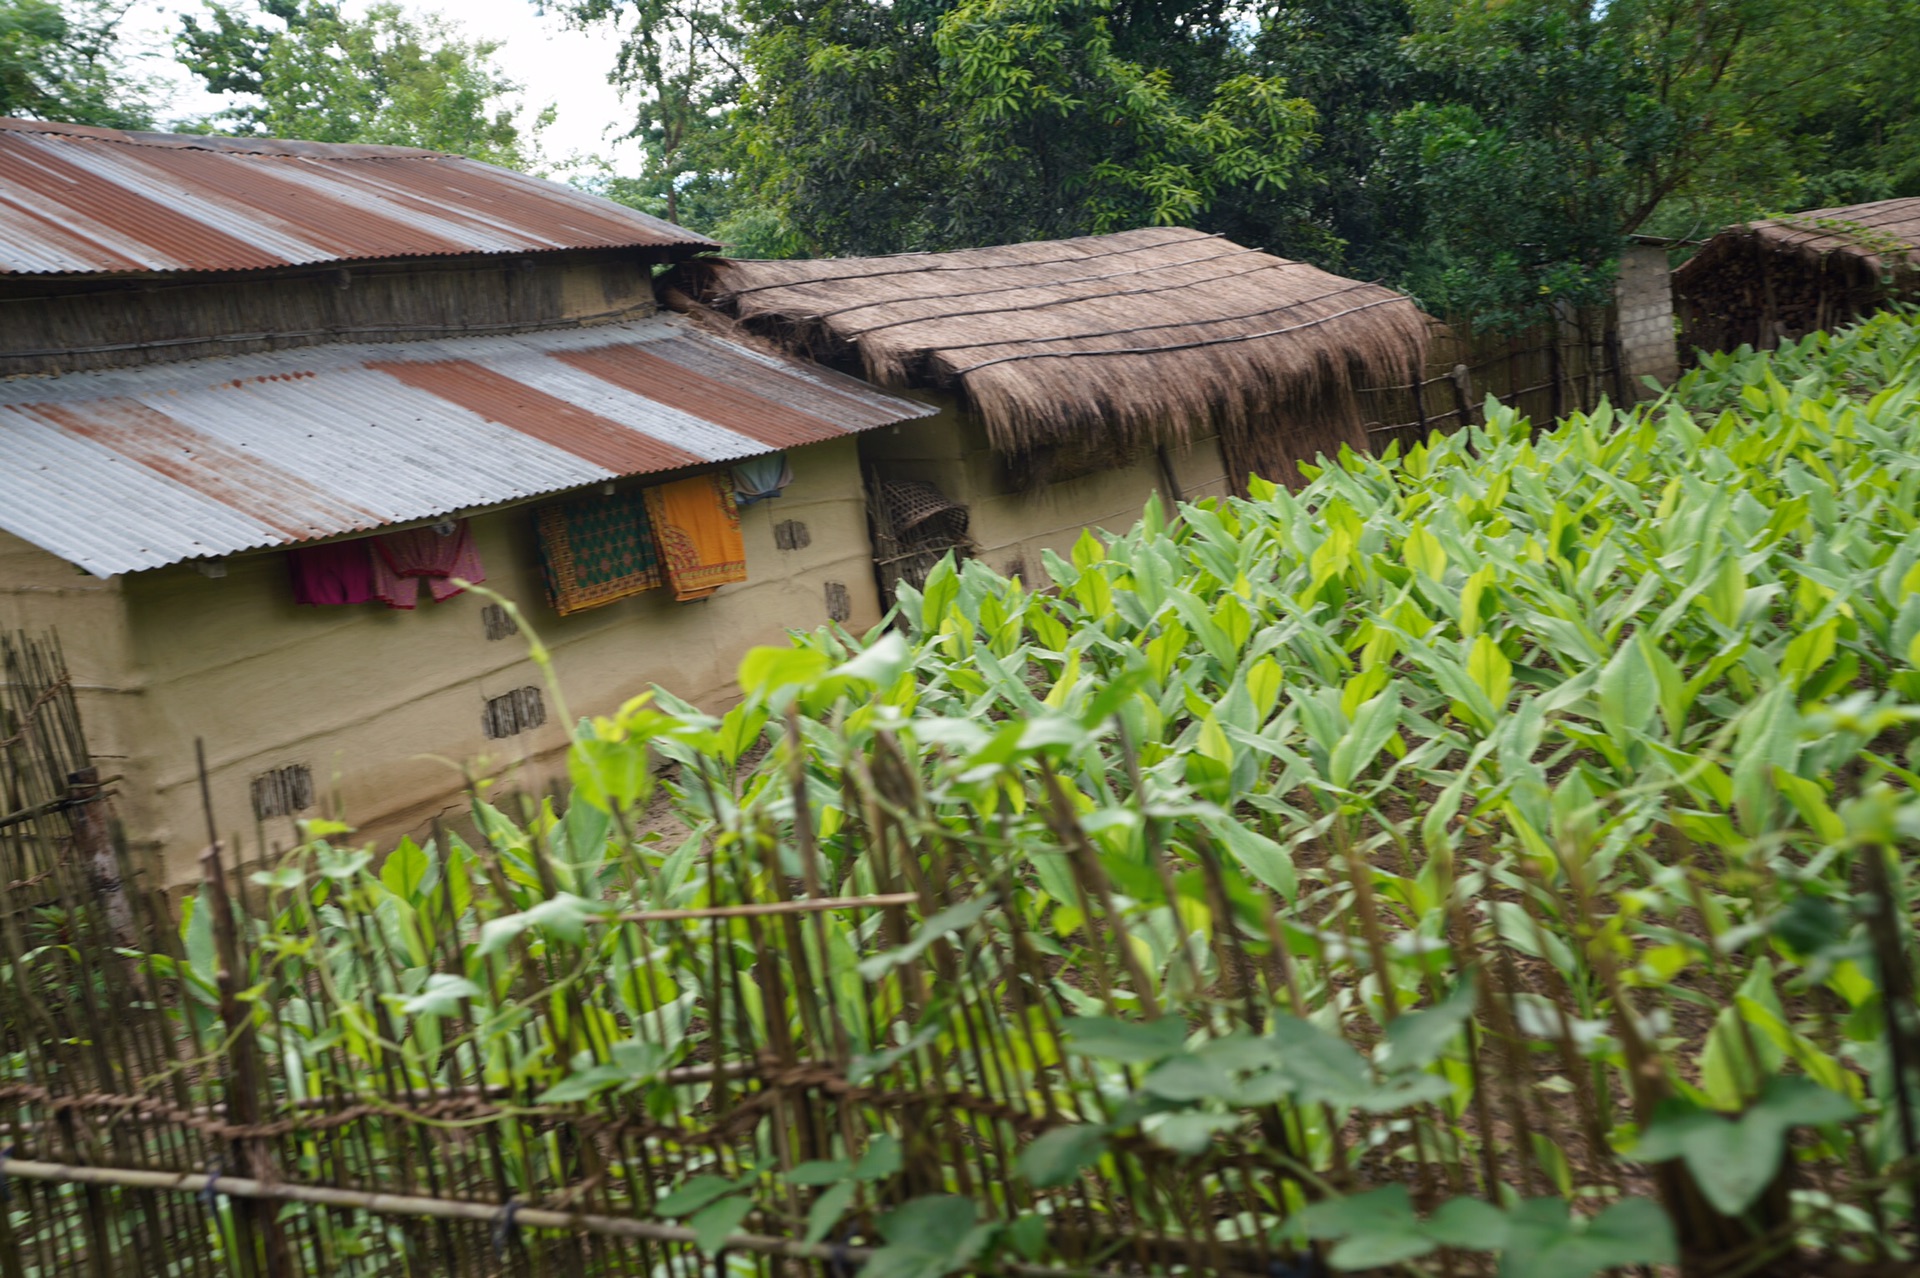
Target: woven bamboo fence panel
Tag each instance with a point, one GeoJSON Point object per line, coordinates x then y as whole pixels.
{"type": "Point", "coordinates": [1545, 372]}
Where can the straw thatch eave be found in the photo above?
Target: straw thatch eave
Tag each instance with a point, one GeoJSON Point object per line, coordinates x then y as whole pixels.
{"type": "Point", "coordinates": [1878, 238]}
{"type": "Point", "coordinates": [1768, 281]}
{"type": "Point", "coordinates": [1114, 342]}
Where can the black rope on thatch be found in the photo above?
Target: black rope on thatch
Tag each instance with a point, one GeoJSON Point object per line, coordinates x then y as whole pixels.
{"type": "Point", "coordinates": [919, 270]}
{"type": "Point", "coordinates": [819, 316]}
{"type": "Point", "coordinates": [1062, 302]}
{"type": "Point", "coordinates": [1183, 346]}
{"type": "Point", "coordinates": [1148, 328]}
{"type": "Point", "coordinates": [1273, 265]}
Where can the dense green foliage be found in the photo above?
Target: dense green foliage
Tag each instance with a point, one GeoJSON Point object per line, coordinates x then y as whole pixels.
{"type": "Point", "coordinates": [1490, 157]}
{"type": "Point", "coordinates": [1630, 699]}
{"type": "Point", "coordinates": [303, 69]}
{"type": "Point", "coordinates": [1546, 131]}
{"type": "Point", "coordinates": [878, 128]}
{"type": "Point", "coordinates": [63, 62]}
{"type": "Point", "coordinates": [1509, 827]}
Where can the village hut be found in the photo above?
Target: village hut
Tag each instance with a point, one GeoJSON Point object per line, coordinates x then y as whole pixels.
{"type": "Point", "coordinates": [265, 405]}
{"type": "Point", "coordinates": [1766, 282]}
{"type": "Point", "coordinates": [1076, 377]}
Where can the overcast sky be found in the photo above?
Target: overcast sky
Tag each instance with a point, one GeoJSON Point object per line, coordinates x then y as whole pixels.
{"type": "Point", "coordinates": [565, 68]}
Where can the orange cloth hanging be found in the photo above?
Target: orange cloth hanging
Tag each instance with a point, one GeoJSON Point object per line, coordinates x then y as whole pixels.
{"type": "Point", "coordinates": [697, 527]}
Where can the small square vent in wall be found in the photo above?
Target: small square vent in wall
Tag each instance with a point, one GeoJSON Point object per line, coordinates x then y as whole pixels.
{"type": "Point", "coordinates": [513, 713]}
{"type": "Point", "coordinates": [497, 623]}
{"type": "Point", "coordinates": [283, 791]}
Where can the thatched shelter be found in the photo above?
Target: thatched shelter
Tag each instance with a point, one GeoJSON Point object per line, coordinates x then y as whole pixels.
{"type": "Point", "coordinates": [1095, 350]}
{"type": "Point", "coordinates": [1769, 281]}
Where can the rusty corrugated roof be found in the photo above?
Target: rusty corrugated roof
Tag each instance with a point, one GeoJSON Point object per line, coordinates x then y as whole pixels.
{"type": "Point", "coordinates": [130, 469]}
{"type": "Point", "coordinates": [76, 199]}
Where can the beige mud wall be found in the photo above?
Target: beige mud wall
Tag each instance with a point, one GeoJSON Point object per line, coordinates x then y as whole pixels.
{"type": "Point", "coordinates": [39, 594]}
{"type": "Point", "coordinates": [384, 706]}
{"type": "Point", "coordinates": [1011, 528]}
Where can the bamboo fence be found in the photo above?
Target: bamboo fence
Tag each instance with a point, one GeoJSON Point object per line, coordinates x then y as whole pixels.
{"type": "Point", "coordinates": [1545, 372]}
{"type": "Point", "coordinates": [249, 1083]}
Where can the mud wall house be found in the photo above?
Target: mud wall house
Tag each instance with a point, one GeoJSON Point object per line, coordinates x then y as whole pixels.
{"type": "Point", "coordinates": [1074, 378]}
{"type": "Point", "coordinates": [239, 374]}
{"type": "Point", "coordinates": [1766, 282]}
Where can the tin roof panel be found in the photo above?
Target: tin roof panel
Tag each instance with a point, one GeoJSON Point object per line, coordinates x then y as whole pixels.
{"type": "Point", "coordinates": [129, 469]}
{"type": "Point", "coordinates": [79, 200]}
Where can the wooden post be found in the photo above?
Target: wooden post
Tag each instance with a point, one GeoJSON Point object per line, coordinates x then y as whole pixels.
{"type": "Point", "coordinates": [245, 1079]}
{"type": "Point", "coordinates": [93, 841]}
{"type": "Point", "coordinates": [1169, 478]}
{"type": "Point", "coordinates": [1463, 395]}
{"type": "Point", "coordinates": [1624, 391]}
{"type": "Point", "coordinates": [1556, 373]}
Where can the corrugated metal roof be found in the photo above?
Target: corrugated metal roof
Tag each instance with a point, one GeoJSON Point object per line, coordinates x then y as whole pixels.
{"type": "Point", "coordinates": [130, 469]}
{"type": "Point", "coordinates": [76, 199]}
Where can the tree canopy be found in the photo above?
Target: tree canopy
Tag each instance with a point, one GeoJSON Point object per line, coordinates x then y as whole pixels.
{"type": "Point", "coordinates": [1490, 156]}
{"type": "Point", "coordinates": [303, 69]}
{"type": "Point", "coordinates": [63, 62]}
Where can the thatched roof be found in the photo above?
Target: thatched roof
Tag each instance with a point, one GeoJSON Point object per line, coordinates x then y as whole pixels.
{"type": "Point", "coordinates": [1884, 233]}
{"type": "Point", "coordinates": [1114, 341]}
{"type": "Point", "coordinates": [1784, 277]}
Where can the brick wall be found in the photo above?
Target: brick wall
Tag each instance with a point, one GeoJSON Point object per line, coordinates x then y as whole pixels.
{"type": "Point", "coordinates": [1644, 294]}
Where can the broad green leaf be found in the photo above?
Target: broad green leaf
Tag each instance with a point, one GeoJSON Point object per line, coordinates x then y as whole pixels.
{"type": "Point", "coordinates": [407, 871]}
{"type": "Point", "coordinates": [881, 663]}
{"type": "Point", "coordinates": [610, 774]}
{"type": "Point", "coordinates": [1670, 683]}
{"type": "Point", "coordinates": [1808, 651]}
{"type": "Point", "coordinates": [563, 915]}
{"type": "Point", "coordinates": [1058, 1156]}
{"type": "Point", "coordinates": [1028, 1234]}
{"type": "Point", "coordinates": [1191, 1132]}
{"type": "Point", "coordinates": [1328, 1069]}
{"type": "Point", "coordinates": [882, 1159]}
{"type": "Point", "coordinates": [821, 1171]}
{"type": "Point", "coordinates": [928, 1238]}
{"type": "Point", "coordinates": [1544, 1241]}
{"type": "Point", "coordinates": [1734, 1158]}
{"type": "Point", "coordinates": [1424, 553]}
{"type": "Point", "coordinates": [1189, 1078]}
{"type": "Point", "coordinates": [827, 1210]}
{"type": "Point", "coordinates": [1129, 1042]}
{"type": "Point", "coordinates": [441, 995]}
{"type": "Point", "coordinates": [286, 878]}
{"type": "Point", "coordinates": [1490, 670]}
{"type": "Point", "coordinates": [1416, 1039]}
{"type": "Point", "coordinates": [1627, 693]}
{"type": "Point", "coordinates": [766, 670]}
{"type": "Point", "coordinates": [1468, 1223]}
{"type": "Point", "coordinates": [955, 918]}
{"type": "Point", "coordinates": [1267, 861]}
{"type": "Point", "coordinates": [696, 1193]}
{"type": "Point", "coordinates": [1357, 749]}
{"type": "Point", "coordinates": [197, 936]}
{"type": "Point", "coordinates": [583, 1085]}
{"type": "Point", "coordinates": [1374, 1229]}
{"type": "Point", "coordinates": [1517, 928]}
{"type": "Point", "coordinates": [938, 595]}
{"type": "Point", "coordinates": [1473, 596]}
{"type": "Point", "coordinates": [712, 1226]}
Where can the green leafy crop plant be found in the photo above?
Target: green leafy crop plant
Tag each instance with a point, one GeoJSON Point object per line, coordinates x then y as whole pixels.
{"type": "Point", "coordinates": [1497, 856]}
{"type": "Point", "coordinates": [1610, 723]}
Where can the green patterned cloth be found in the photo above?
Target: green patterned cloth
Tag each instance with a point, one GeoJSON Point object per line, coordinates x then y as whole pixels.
{"type": "Point", "coordinates": [595, 549]}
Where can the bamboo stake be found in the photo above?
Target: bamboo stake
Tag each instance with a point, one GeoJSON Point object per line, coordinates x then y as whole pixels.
{"type": "Point", "coordinates": [800, 906]}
